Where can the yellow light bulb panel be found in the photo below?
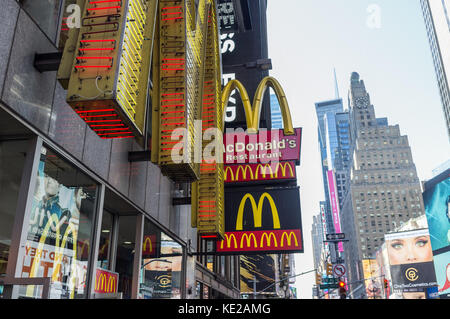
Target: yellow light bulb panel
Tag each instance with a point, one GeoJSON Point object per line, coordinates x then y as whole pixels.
{"type": "Point", "coordinates": [109, 77]}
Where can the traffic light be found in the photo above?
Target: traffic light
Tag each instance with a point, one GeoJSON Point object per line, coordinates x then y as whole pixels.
{"type": "Point", "coordinates": [329, 269]}
{"type": "Point", "coordinates": [342, 290]}
{"type": "Point", "coordinates": [318, 278]}
{"type": "Point", "coordinates": [386, 284]}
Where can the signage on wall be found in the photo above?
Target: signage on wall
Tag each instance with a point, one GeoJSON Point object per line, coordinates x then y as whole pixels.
{"type": "Point", "coordinates": [244, 173]}
{"type": "Point", "coordinates": [106, 281]}
{"type": "Point", "coordinates": [266, 146]}
{"type": "Point", "coordinates": [262, 220]}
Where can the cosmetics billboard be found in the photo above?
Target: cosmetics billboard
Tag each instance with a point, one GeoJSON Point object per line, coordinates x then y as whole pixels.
{"type": "Point", "coordinates": [436, 198]}
{"type": "Point", "coordinates": [411, 263]}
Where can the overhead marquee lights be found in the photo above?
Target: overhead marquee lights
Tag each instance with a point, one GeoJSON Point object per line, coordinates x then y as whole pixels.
{"type": "Point", "coordinates": [188, 50]}
{"type": "Point", "coordinates": [106, 66]}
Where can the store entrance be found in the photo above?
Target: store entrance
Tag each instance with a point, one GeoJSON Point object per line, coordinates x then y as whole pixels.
{"type": "Point", "coordinates": [116, 248]}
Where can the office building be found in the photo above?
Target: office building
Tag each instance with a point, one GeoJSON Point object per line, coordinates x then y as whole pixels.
{"type": "Point", "coordinates": [437, 22]}
{"type": "Point", "coordinates": [384, 190]}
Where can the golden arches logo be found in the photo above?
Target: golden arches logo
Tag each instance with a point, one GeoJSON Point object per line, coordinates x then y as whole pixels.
{"type": "Point", "coordinates": [147, 241]}
{"type": "Point", "coordinates": [253, 113]}
{"type": "Point", "coordinates": [228, 238]}
{"type": "Point", "coordinates": [257, 211]}
{"type": "Point", "coordinates": [263, 170]}
{"type": "Point", "coordinates": [288, 238]}
{"type": "Point", "coordinates": [268, 238]}
{"type": "Point", "coordinates": [248, 238]}
{"type": "Point", "coordinates": [228, 169]}
{"type": "Point", "coordinates": [243, 169]}
{"type": "Point", "coordinates": [105, 283]}
{"type": "Point", "coordinates": [283, 169]}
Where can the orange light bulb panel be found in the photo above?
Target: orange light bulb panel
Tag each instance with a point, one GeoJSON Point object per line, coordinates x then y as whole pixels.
{"type": "Point", "coordinates": [111, 65]}
{"type": "Point", "coordinates": [210, 188]}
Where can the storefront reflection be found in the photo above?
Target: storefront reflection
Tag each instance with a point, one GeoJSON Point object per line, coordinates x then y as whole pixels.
{"type": "Point", "coordinates": [161, 268]}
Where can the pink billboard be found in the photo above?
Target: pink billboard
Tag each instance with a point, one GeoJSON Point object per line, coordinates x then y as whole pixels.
{"type": "Point", "coordinates": [334, 205]}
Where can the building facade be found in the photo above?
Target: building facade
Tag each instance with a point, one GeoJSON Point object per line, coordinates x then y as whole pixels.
{"type": "Point", "coordinates": [127, 226]}
{"type": "Point", "coordinates": [384, 189]}
{"type": "Point", "coordinates": [437, 22]}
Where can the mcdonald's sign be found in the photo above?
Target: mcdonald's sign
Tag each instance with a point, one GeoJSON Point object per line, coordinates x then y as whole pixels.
{"type": "Point", "coordinates": [244, 173]}
{"type": "Point", "coordinates": [265, 147]}
{"type": "Point", "coordinates": [106, 281]}
{"type": "Point", "coordinates": [262, 220]}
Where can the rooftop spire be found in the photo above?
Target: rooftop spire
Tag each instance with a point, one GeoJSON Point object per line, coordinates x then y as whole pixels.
{"type": "Point", "coordinates": [336, 88]}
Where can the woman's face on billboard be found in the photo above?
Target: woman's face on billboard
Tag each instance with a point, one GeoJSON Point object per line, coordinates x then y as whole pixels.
{"type": "Point", "coordinates": [409, 250]}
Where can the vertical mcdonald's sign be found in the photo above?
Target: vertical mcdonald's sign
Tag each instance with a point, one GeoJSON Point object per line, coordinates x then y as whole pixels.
{"type": "Point", "coordinates": [262, 220]}
{"type": "Point", "coordinates": [106, 281]}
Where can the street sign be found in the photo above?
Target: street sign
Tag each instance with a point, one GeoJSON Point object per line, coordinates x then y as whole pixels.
{"type": "Point", "coordinates": [336, 236]}
{"type": "Point", "coordinates": [329, 286]}
{"type": "Point", "coordinates": [339, 270]}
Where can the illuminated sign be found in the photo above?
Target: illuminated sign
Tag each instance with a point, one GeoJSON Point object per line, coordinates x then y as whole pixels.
{"type": "Point", "coordinates": [106, 281]}
{"type": "Point", "coordinates": [262, 220]}
{"type": "Point", "coordinates": [334, 205]}
{"type": "Point", "coordinates": [266, 146]}
{"type": "Point", "coordinates": [110, 57]}
{"type": "Point", "coordinates": [253, 112]}
{"type": "Point", "coordinates": [279, 171]}
{"type": "Point", "coordinates": [189, 88]}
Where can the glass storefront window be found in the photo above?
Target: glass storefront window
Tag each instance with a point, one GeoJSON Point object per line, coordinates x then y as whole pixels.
{"type": "Point", "coordinates": [59, 229]}
{"type": "Point", "coordinates": [104, 250]}
{"type": "Point", "coordinates": [45, 13]}
{"type": "Point", "coordinates": [161, 269]}
{"type": "Point", "coordinates": [125, 254]}
{"type": "Point", "coordinates": [11, 166]}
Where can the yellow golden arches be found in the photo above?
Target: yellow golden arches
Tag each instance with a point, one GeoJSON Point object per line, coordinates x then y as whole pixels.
{"type": "Point", "coordinates": [257, 211]}
{"type": "Point", "coordinates": [253, 113]}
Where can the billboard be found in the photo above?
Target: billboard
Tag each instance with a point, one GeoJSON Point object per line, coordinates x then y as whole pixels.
{"type": "Point", "coordinates": [334, 205]}
{"type": "Point", "coordinates": [436, 198]}
{"type": "Point", "coordinates": [411, 262]}
{"type": "Point", "coordinates": [262, 220]}
{"type": "Point", "coordinates": [240, 52]}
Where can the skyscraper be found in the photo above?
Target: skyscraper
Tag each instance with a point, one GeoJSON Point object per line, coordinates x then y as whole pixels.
{"type": "Point", "coordinates": [325, 111]}
{"type": "Point", "coordinates": [437, 21]}
{"type": "Point", "coordinates": [275, 112]}
{"type": "Point", "coordinates": [384, 190]}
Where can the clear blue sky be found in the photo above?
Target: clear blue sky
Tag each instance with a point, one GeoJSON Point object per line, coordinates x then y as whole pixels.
{"type": "Point", "coordinates": [308, 38]}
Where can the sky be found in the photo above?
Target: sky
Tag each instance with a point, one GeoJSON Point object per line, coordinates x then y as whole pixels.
{"type": "Point", "coordinates": [384, 41]}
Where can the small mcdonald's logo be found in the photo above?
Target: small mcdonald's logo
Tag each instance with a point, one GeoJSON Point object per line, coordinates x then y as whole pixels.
{"type": "Point", "coordinates": [106, 281]}
{"type": "Point", "coordinates": [259, 172]}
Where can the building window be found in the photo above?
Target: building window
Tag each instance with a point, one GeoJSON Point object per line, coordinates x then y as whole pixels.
{"type": "Point", "coordinates": [59, 230]}
{"type": "Point", "coordinates": [12, 164]}
{"type": "Point", "coordinates": [161, 268]}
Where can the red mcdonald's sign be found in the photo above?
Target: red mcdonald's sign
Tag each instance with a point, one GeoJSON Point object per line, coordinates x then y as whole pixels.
{"type": "Point", "coordinates": [261, 240]}
{"type": "Point", "coordinates": [106, 281]}
{"type": "Point", "coordinates": [260, 172]}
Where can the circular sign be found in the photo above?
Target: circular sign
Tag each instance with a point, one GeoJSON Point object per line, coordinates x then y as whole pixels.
{"type": "Point", "coordinates": [339, 270]}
